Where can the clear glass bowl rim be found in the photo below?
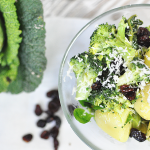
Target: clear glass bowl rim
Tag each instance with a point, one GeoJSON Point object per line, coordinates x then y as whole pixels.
{"type": "Point", "coordinates": [89, 144]}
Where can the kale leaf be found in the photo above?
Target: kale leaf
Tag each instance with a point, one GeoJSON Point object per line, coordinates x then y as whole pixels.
{"type": "Point", "coordinates": [32, 49]}
{"type": "Point", "coordinates": [9, 60]}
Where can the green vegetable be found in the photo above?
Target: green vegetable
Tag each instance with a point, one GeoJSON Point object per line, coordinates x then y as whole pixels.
{"type": "Point", "coordinates": [138, 72]}
{"type": "Point", "coordinates": [132, 30]}
{"type": "Point", "coordinates": [8, 56]}
{"type": "Point", "coordinates": [86, 68]}
{"type": "Point", "coordinates": [82, 116]}
{"type": "Point", "coordinates": [22, 58]}
{"type": "Point", "coordinates": [100, 37]}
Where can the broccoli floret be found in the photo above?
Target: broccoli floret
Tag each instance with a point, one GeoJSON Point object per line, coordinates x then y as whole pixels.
{"type": "Point", "coordinates": [86, 68]}
{"type": "Point", "coordinates": [106, 38]}
{"type": "Point", "coordinates": [138, 72]}
{"type": "Point", "coordinates": [100, 36]}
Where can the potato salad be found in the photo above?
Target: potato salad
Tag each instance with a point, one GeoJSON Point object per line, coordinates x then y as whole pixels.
{"type": "Point", "coordinates": [113, 80]}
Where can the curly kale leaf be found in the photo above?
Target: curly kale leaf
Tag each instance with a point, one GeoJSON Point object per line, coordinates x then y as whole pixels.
{"type": "Point", "coordinates": [32, 49]}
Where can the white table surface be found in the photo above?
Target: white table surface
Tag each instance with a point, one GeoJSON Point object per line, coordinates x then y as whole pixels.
{"type": "Point", "coordinates": [17, 111]}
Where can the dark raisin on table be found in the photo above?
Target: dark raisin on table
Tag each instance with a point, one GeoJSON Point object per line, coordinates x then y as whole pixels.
{"type": "Point", "coordinates": [38, 111]}
{"type": "Point", "coordinates": [54, 132]}
{"type": "Point", "coordinates": [57, 121]}
{"type": "Point", "coordinates": [53, 94]}
{"type": "Point", "coordinates": [50, 118]}
{"type": "Point", "coordinates": [53, 106]}
{"type": "Point", "coordinates": [49, 113]}
{"type": "Point", "coordinates": [56, 143]}
{"type": "Point", "coordinates": [45, 134]}
{"type": "Point", "coordinates": [138, 135]}
{"type": "Point", "coordinates": [27, 137]}
{"type": "Point", "coordinates": [41, 123]}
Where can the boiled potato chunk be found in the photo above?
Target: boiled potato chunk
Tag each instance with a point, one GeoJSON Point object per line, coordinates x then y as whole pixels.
{"type": "Point", "coordinates": [148, 132]}
{"type": "Point", "coordinates": [147, 58]}
{"type": "Point", "coordinates": [141, 105]}
{"type": "Point", "coordinates": [113, 124]}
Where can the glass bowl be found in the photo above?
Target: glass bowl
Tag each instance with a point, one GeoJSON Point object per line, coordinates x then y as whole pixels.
{"type": "Point", "coordinates": [90, 133]}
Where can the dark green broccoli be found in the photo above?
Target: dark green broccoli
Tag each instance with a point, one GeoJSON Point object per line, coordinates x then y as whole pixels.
{"type": "Point", "coordinates": [86, 67]}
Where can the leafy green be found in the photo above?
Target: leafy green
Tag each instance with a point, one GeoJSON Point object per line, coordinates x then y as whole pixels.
{"type": "Point", "coordinates": [82, 116]}
{"type": "Point", "coordinates": [32, 49]}
{"type": "Point", "coordinates": [9, 61]}
{"type": "Point", "coordinates": [135, 119]}
{"type": "Point", "coordinates": [86, 103]}
{"type": "Point", "coordinates": [2, 36]}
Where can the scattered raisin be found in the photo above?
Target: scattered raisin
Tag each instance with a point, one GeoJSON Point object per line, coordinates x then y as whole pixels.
{"type": "Point", "coordinates": [96, 86]}
{"type": "Point", "coordinates": [56, 143]}
{"type": "Point", "coordinates": [27, 137]}
{"type": "Point", "coordinates": [138, 135]}
{"type": "Point", "coordinates": [53, 106]}
{"type": "Point", "coordinates": [41, 123]}
{"type": "Point", "coordinates": [71, 109]}
{"type": "Point", "coordinates": [45, 134]}
{"type": "Point", "coordinates": [49, 119]}
{"type": "Point", "coordinates": [38, 111]}
{"type": "Point", "coordinates": [58, 121]}
{"type": "Point", "coordinates": [49, 112]}
{"type": "Point", "coordinates": [53, 94]}
{"type": "Point", "coordinates": [54, 132]}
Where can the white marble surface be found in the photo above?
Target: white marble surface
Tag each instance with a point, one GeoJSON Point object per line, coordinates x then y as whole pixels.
{"type": "Point", "coordinates": [17, 111]}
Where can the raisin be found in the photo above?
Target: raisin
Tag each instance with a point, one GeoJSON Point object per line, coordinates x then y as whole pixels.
{"type": "Point", "coordinates": [56, 143]}
{"type": "Point", "coordinates": [45, 134]}
{"type": "Point", "coordinates": [128, 92]}
{"type": "Point", "coordinates": [53, 94]}
{"type": "Point", "coordinates": [49, 119]}
{"type": "Point", "coordinates": [27, 137]}
{"type": "Point", "coordinates": [143, 40]}
{"type": "Point", "coordinates": [71, 109]}
{"type": "Point", "coordinates": [49, 113]}
{"type": "Point", "coordinates": [96, 86]}
{"type": "Point", "coordinates": [54, 132]}
{"type": "Point", "coordinates": [38, 111]}
{"type": "Point", "coordinates": [138, 135]}
{"type": "Point", "coordinates": [142, 31]}
{"type": "Point", "coordinates": [41, 123]}
{"type": "Point", "coordinates": [58, 121]}
{"type": "Point", "coordinates": [126, 88]}
{"type": "Point", "coordinates": [54, 106]}
{"type": "Point", "coordinates": [130, 95]}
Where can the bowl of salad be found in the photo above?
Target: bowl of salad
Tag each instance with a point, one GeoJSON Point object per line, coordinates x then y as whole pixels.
{"type": "Point", "coordinates": [104, 80]}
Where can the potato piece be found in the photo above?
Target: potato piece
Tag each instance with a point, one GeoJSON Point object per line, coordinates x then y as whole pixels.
{"type": "Point", "coordinates": [148, 132]}
{"type": "Point", "coordinates": [113, 124]}
{"type": "Point", "coordinates": [147, 58]}
{"type": "Point", "coordinates": [141, 105]}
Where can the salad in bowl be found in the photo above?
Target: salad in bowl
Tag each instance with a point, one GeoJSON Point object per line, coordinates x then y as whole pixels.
{"type": "Point", "coordinates": [105, 76]}
{"type": "Point", "coordinates": [113, 79]}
